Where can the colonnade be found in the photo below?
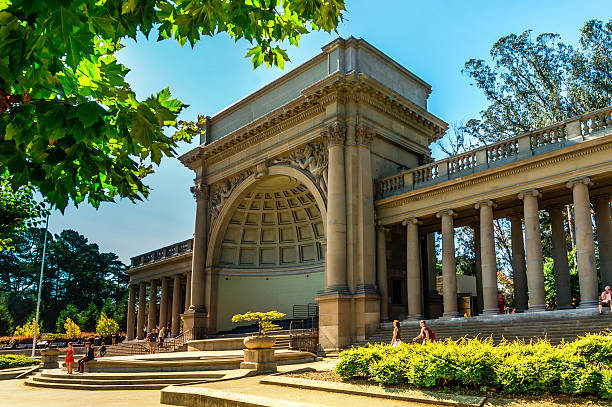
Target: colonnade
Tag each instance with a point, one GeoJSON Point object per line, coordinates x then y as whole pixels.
{"type": "Point", "coordinates": [527, 258]}
{"type": "Point", "coordinates": [170, 306]}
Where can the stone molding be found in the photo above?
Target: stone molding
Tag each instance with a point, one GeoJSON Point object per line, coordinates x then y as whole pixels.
{"type": "Point", "coordinates": [582, 180]}
{"type": "Point", "coordinates": [199, 190]}
{"type": "Point", "coordinates": [486, 202]}
{"type": "Point", "coordinates": [364, 135]}
{"type": "Point", "coordinates": [531, 192]}
{"type": "Point", "coordinates": [335, 134]}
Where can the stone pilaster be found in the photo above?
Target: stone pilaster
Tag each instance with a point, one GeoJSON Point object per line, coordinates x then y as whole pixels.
{"type": "Point", "coordinates": [519, 270]}
{"type": "Point", "coordinates": [478, 264]}
{"type": "Point", "coordinates": [559, 252]}
{"type": "Point", "coordinates": [142, 301]}
{"type": "Point", "coordinates": [176, 305]}
{"type": "Point", "coordinates": [449, 265]}
{"type": "Point", "coordinates": [163, 304]}
{"type": "Point", "coordinates": [487, 255]}
{"type": "Point", "coordinates": [604, 237]}
{"type": "Point", "coordinates": [152, 320]}
{"type": "Point", "coordinates": [413, 269]}
{"type": "Point", "coordinates": [585, 243]}
{"type": "Point", "coordinates": [383, 279]}
{"type": "Point", "coordinates": [195, 318]}
{"type": "Point", "coordinates": [533, 243]}
{"type": "Point", "coordinates": [131, 310]}
{"type": "Point", "coordinates": [432, 261]}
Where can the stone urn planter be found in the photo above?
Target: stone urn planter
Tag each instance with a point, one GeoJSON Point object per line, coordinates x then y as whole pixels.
{"type": "Point", "coordinates": [259, 342]}
{"type": "Point", "coordinates": [49, 358]}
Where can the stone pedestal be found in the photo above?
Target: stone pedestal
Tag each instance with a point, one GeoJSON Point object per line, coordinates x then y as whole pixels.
{"type": "Point", "coordinates": [196, 322]}
{"type": "Point", "coordinates": [261, 360]}
{"type": "Point", "coordinates": [335, 321]}
{"type": "Point", "coordinates": [49, 358]}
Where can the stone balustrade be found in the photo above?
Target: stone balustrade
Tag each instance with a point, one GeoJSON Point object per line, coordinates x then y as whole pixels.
{"type": "Point", "coordinates": [164, 253]}
{"type": "Point", "coordinates": [574, 130]}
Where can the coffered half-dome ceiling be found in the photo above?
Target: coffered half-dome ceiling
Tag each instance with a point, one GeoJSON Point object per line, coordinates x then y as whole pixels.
{"type": "Point", "coordinates": [277, 224]}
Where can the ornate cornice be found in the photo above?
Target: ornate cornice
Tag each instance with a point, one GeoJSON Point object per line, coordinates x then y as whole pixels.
{"type": "Point", "coordinates": [337, 87]}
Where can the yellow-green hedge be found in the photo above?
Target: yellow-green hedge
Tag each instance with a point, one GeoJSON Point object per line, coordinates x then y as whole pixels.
{"type": "Point", "coordinates": [580, 367]}
{"type": "Point", "coordinates": [10, 361]}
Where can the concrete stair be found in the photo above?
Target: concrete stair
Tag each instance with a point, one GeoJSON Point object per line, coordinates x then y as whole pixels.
{"type": "Point", "coordinates": [58, 379]}
{"type": "Point", "coordinates": [567, 326]}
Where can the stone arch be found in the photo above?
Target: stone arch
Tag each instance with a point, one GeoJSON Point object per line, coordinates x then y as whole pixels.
{"type": "Point", "coordinates": [223, 219]}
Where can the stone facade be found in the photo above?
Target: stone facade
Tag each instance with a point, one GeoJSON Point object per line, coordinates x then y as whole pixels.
{"type": "Point", "coordinates": [320, 187]}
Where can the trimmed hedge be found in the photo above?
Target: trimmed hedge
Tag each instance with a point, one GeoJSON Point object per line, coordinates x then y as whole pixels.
{"type": "Point", "coordinates": [580, 367]}
{"type": "Point", "coordinates": [10, 361]}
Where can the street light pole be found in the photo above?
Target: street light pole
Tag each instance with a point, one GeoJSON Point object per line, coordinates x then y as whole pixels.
{"type": "Point", "coordinates": [42, 268]}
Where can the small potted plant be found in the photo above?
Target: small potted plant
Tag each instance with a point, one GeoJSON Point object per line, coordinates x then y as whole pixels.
{"type": "Point", "coordinates": [261, 340]}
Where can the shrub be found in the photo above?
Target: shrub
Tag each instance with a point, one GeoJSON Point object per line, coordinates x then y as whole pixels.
{"type": "Point", "coordinates": [27, 329]}
{"type": "Point", "coordinates": [72, 329]}
{"type": "Point", "coordinates": [580, 367]}
{"type": "Point", "coordinates": [10, 361]}
{"type": "Point", "coordinates": [106, 326]}
{"type": "Point", "coordinates": [263, 320]}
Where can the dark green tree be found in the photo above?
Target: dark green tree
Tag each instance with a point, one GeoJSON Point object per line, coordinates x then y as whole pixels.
{"type": "Point", "coordinates": [88, 318]}
{"type": "Point", "coordinates": [69, 312]}
{"type": "Point", "coordinates": [72, 127]}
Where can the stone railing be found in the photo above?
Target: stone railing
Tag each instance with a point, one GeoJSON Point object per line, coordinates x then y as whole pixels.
{"type": "Point", "coordinates": [535, 142]}
{"type": "Point", "coordinates": [167, 252]}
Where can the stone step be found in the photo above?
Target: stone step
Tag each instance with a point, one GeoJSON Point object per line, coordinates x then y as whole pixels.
{"type": "Point", "coordinates": [73, 386]}
{"type": "Point", "coordinates": [77, 378]}
{"type": "Point", "coordinates": [56, 373]}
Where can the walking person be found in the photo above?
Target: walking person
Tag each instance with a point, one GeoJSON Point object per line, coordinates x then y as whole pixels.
{"type": "Point", "coordinates": [426, 333]}
{"type": "Point", "coordinates": [161, 336]}
{"type": "Point", "coordinates": [69, 359]}
{"type": "Point", "coordinates": [397, 337]}
{"type": "Point", "coordinates": [605, 299]}
{"type": "Point", "coordinates": [89, 355]}
{"type": "Point", "coordinates": [152, 340]}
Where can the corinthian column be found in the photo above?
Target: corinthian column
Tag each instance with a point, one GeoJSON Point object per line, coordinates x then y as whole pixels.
{"type": "Point", "coordinates": [559, 249]}
{"type": "Point", "coordinates": [487, 256]}
{"type": "Point", "coordinates": [383, 281]}
{"type": "Point", "coordinates": [142, 301]}
{"type": "Point", "coordinates": [604, 237]}
{"type": "Point", "coordinates": [413, 269]}
{"type": "Point", "coordinates": [336, 212]}
{"type": "Point", "coordinates": [533, 242]}
{"type": "Point", "coordinates": [130, 312]}
{"type": "Point", "coordinates": [449, 265]}
{"type": "Point", "coordinates": [519, 272]}
{"type": "Point", "coordinates": [585, 243]}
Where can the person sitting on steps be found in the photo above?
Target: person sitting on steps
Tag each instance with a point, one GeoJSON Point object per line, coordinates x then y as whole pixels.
{"type": "Point", "coordinates": [605, 299]}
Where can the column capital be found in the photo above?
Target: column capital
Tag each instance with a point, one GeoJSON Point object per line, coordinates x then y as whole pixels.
{"type": "Point", "coordinates": [447, 212]}
{"type": "Point", "coordinates": [411, 221]}
{"type": "Point", "coordinates": [364, 135]}
{"type": "Point", "coordinates": [583, 180]}
{"type": "Point", "coordinates": [530, 192]}
{"type": "Point", "coordinates": [335, 134]}
{"type": "Point", "coordinates": [199, 190]}
{"type": "Point", "coordinates": [486, 202]}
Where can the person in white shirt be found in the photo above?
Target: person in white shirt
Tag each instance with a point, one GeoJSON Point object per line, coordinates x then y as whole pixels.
{"type": "Point", "coordinates": [605, 299]}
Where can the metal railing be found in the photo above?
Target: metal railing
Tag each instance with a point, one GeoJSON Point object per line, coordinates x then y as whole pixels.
{"type": "Point", "coordinates": [558, 135]}
{"type": "Point", "coordinates": [167, 252]}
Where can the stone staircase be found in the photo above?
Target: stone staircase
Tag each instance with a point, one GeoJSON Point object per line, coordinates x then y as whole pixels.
{"type": "Point", "coordinates": [59, 379]}
{"type": "Point", "coordinates": [555, 326]}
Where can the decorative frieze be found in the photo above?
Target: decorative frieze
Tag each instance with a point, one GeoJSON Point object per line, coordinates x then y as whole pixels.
{"type": "Point", "coordinates": [311, 158]}
{"type": "Point", "coordinates": [220, 192]}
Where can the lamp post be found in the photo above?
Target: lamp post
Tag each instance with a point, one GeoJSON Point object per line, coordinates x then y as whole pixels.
{"type": "Point", "coordinates": [42, 268]}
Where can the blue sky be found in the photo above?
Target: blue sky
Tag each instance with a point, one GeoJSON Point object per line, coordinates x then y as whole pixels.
{"type": "Point", "coordinates": [433, 39]}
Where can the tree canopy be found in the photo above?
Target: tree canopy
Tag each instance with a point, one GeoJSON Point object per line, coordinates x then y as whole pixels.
{"type": "Point", "coordinates": [532, 83]}
{"type": "Point", "coordinates": [72, 127]}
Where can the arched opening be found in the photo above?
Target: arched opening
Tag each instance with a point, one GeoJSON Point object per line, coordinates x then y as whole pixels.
{"type": "Point", "coordinates": [269, 246]}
